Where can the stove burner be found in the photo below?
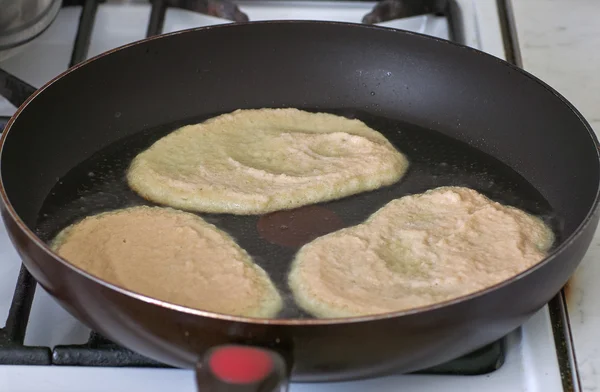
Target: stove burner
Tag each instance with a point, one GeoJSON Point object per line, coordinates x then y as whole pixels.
{"type": "Point", "coordinates": [102, 352]}
{"type": "Point", "coordinates": [224, 9]}
{"type": "Point", "coordinates": [99, 351]}
{"type": "Point", "coordinates": [12, 350]}
{"type": "Point", "coordinates": [14, 90]}
{"type": "Point", "coordinates": [395, 9]}
{"type": "Point", "coordinates": [3, 122]}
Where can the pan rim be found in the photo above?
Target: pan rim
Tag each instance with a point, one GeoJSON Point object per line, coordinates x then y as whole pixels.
{"type": "Point", "coordinates": [313, 321]}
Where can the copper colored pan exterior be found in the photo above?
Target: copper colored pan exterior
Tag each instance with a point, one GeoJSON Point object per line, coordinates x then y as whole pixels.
{"type": "Point", "coordinates": [458, 91]}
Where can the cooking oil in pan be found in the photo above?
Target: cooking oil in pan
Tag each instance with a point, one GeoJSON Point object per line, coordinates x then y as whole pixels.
{"type": "Point", "coordinates": [98, 184]}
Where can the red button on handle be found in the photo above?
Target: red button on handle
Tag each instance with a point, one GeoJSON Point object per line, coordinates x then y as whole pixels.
{"type": "Point", "coordinates": [236, 368]}
{"type": "Point", "coordinates": [240, 365]}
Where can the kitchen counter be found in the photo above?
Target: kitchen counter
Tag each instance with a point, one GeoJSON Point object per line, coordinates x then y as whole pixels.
{"type": "Point", "coordinates": [560, 44]}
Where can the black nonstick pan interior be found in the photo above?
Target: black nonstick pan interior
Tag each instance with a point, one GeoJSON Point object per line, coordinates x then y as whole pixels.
{"type": "Point", "coordinates": [98, 184]}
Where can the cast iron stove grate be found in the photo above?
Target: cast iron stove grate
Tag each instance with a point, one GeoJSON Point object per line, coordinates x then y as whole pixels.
{"type": "Point", "coordinates": [99, 351]}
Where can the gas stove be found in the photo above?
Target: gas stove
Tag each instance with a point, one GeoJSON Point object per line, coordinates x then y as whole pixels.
{"type": "Point", "coordinates": [42, 347]}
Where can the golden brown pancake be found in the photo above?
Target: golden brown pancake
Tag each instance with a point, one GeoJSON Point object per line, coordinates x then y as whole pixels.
{"type": "Point", "coordinates": [258, 161]}
{"type": "Point", "coordinates": [417, 251]}
{"type": "Point", "coordinates": [171, 256]}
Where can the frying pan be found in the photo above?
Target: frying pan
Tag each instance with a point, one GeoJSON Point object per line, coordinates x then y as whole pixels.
{"type": "Point", "coordinates": [443, 95]}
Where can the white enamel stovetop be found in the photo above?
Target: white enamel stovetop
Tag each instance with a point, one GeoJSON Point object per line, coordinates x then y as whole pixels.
{"type": "Point", "coordinates": [531, 364]}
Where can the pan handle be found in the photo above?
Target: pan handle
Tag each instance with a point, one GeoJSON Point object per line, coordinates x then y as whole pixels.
{"type": "Point", "coordinates": [239, 368]}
